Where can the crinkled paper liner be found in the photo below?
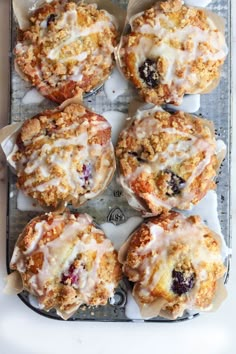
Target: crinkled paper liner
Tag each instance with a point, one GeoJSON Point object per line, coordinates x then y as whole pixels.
{"type": "Point", "coordinates": [14, 286]}
{"type": "Point", "coordinates": [14, 282]}
{"type": "Point", "coordinates": [138, 6]}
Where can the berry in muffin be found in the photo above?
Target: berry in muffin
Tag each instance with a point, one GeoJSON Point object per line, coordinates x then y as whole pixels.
{"type": "Point", "coordinates": [172, 50]}
{"type": "Point", "coordinates": [175, 264]}
{"type": "Point", "coordinates": [166, 160]}
{"type": "Point", "coordinates": [68, 49]}
{"type": "Point", "coordinates": [65, 261]}
{"type": "Point", "coordinates": [64, 155]}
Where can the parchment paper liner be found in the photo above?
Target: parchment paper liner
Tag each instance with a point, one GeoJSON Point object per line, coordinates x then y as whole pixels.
{"type": "Point", "coordinates": [134, 108]}
{"type": "Point", "coordinates": [14, 281]}
{"type": "Point", "coordinates": [155, 309]}
{"type": "Point", "coordinates": [8, 137]}
{"type": "Point", "coordinates": [137, 6]}
{"type": "Point", "coordinates": [24, 8]}
{"type": "Point", "coordinates": [14, 284]}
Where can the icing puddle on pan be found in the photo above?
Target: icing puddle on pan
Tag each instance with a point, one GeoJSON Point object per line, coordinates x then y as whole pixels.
{"type": "Point", "coordinates": [111, 210]}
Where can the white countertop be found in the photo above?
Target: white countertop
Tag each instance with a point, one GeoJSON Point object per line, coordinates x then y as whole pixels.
{"type": "Point", "coordinates": [23, 331]}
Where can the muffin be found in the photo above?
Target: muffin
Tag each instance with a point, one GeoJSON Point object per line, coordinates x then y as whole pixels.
{"type": "Point", "coordinates": [166, 160]}
{"type": "Point", "coordinates": [175, 264]}
{"type": "Point", "coordinates": [172, 50]}
{"type": "Point", "coordinates": [63, 53]}
{"type": "Point", "coordinates": [64, 155]}
{"type": "Point", "coordinates": [65, 261]}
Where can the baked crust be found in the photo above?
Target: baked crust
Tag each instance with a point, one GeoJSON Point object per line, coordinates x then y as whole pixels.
{"type": "Point", "coordinates": [172, 50]}
{"type": "Point", "coordinates": [174, 261]}
{"type": "Point", "coordinates": [65, 261]}
{"type": "Point", "coordinates": [64, 156]}
{"type": "Point", "coordinates": [64, 53]}
{"type": "Point", "coordinates": [166, 160]}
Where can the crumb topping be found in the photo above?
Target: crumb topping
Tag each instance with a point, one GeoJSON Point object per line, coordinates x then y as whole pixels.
{"type": "Point", "coordinates": [182, 43]}
{"type": "Point", "coordinates": [172, 268]}
{"type": "Point", "coordinates": [66, 262]}
{"type": "Point", "coordinates": [64, 156]}
{"type": "Point", "coordinates": [167, 160]}
{"type": "Point", "coordinates": [64, 53]}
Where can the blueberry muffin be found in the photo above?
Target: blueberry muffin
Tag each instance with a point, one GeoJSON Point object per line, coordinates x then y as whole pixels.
{"type": "Point", "coordinates": [65, 261]}
{"type": "Point", "coordinates": [166, 160]}
{"type": "Point", "coordinates": [172, 50]}
{"type": "Point", "coordinates": [63, 53]}
{"type": "Point", "coordinates": [175, 264]}
{"type": "Point", "coordinates": [63, 156]}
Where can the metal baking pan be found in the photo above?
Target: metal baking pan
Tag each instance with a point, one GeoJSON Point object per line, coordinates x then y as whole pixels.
{"type": "Point", "coordinates": [111, 205]}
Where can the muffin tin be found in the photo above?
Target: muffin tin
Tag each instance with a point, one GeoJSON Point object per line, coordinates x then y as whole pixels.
{"type": "Point", "coordinates": [112, 206]}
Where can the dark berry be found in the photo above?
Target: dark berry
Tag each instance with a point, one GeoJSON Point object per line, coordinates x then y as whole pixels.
{"type": "Point", "coordinates": [70, 276]}
{"type": "Point", "coordinates": [51, 18]}
{"type": "Point", "coordinates": [175, 183]}
{"type": "Point", "coordinates": [148, 73]}
{"type": "Point", "coordinates": [182, 282]}
{"type": "Point", "coordinates": [87, 172]}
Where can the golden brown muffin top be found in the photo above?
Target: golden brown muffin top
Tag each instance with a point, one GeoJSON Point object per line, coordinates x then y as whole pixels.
{"type": "Point", "coordinates": [166, 160]}
{"type": "Point", "coordinates": [172, 50]}
{"type": "Point", "coordinates": [65, 261]}
{"type": "Point", "coordinates": [175, 263]}
{"type": "Point", "coordinates": [64, 53]}
{"type": "Point", "coordinates": [64, 155]}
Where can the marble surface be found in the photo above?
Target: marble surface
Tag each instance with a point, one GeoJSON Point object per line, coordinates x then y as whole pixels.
{"type": "Point", "coordinates": [22, 331]}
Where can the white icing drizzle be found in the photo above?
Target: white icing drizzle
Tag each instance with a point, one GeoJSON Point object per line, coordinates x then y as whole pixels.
{"type": "Point", "coordinates": [71, 153]}
{"type": "Point", "coordinates": [211, 219]}
{"type": "Point", "coordinates": [32, 97]}
{"type": "Point", "coordinates": [76, 33]}
{"type": "Point", "coordinates": [220, 147]}
{"type": "Point", "coordinates": [160, 46]}
{"type": "Point", "coordinates": [194, 248]}
{"type": "Point", "coordinates": [73, 32]}
{"type": "Point", "coordinates": [198, 3]}
{"type": "Point", "coordinates": [190, 104]}
{"type": "Point", "coordinates": [118, 234]}
{"type": "Point", "coordinates": [116, 85]}
{"type": "Point", "coordinates": [34, 301]}
{"type": "Point", "coordinates": [60, 253]}
{"type": "Point", "coordinates": [174, 154]}
{"type": "Point", "coordinates": [117, 121]}
{"type": "Point", "coordinates": [132, 310]}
